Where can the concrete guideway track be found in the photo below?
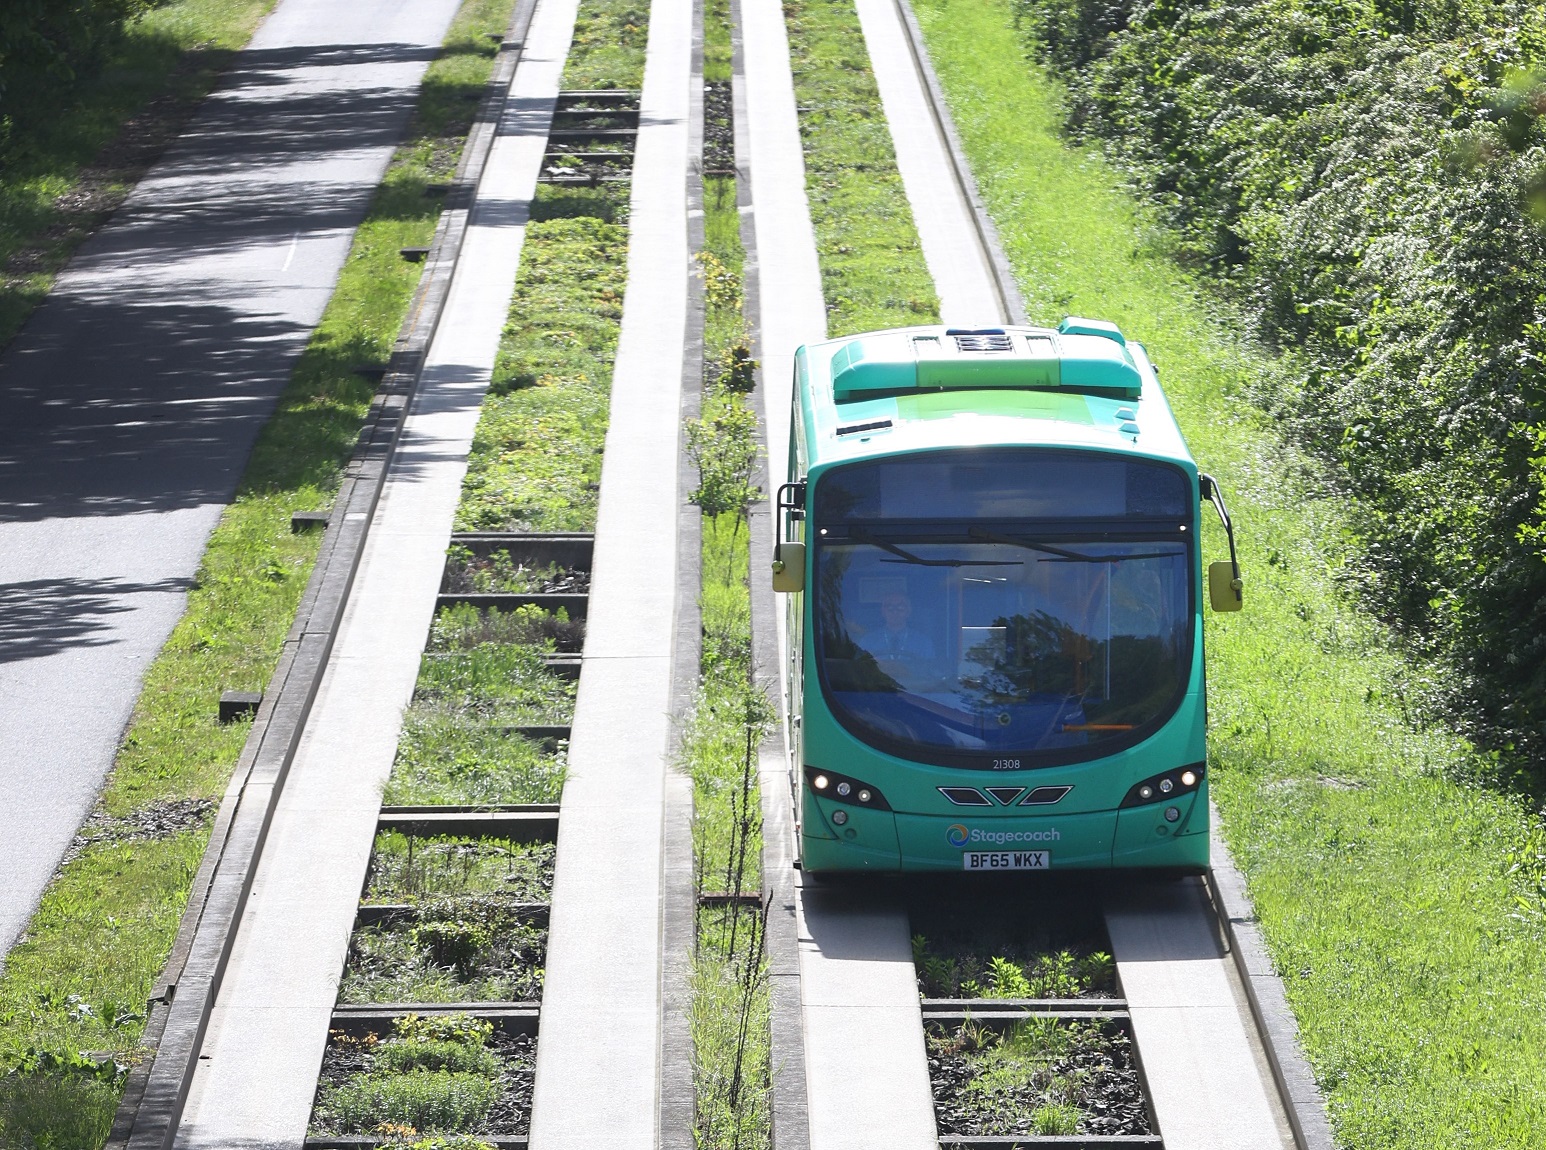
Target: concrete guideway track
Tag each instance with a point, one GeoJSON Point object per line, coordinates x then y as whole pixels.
{"type": "Point", "coordinates": [960, 258]}
{"type": "Point", "coordinates": [257, 1068]}
{"type": "Point", "coordinates": [866, 1079]}
{"type": "Point", "coordinates": [599, 1058]}
{"type": "Point", "coordinates": [129, 403]}
{"type": "Point", "coordinates": [1209, 1076]}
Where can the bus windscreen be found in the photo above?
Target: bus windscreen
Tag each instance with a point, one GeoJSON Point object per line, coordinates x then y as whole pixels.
{"type": "Point", "coordinates": [960, 629]}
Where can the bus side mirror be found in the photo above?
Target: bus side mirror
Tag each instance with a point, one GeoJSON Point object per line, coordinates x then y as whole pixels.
{"type": "Point", "coordinates": [789, 566]}
{"type": "Point", "coordinates": [1223, 587]}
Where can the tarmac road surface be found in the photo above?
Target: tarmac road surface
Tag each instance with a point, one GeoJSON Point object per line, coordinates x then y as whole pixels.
{"type": "Point", "coordinates": [130, 403]}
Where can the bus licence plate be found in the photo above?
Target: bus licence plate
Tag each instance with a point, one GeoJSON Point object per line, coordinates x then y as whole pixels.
{"type": "Point", "coordinates": [1006, 860]}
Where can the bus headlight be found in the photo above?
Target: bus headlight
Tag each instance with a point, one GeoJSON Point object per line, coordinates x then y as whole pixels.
{"type": "Point", "coordinates": [1170, 785]}
{"type": "Point", "coordinates": [837, 788]}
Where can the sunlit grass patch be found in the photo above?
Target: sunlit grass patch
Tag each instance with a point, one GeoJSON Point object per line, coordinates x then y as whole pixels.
{"type": "Point", "coordinates": [472, 948]}
{"type": "Point", "coordinates": [552, 381]}
{"type": "Point", "coordinates": [873, 273]}
{"type": "Point", "coordinates": [443, 756]}
{"type": "Point", "coordinates": [413, 868]}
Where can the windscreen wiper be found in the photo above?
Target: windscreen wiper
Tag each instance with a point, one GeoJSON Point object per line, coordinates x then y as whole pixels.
{"type": "Point", "coordinates": [1060, 553]}
{"type": "Point", "coordinates": [864, 536]}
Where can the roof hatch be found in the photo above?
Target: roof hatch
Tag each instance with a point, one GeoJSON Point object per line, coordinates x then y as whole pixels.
{"type": "Point", "coordinates": [1081, 355]}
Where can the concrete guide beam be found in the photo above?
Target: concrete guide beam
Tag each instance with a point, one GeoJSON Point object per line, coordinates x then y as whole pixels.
{"type": "Point", "coordinates": [793, 311]}
{"type": "Point", "coordinates": [267, 1031]}
{"type": "Point", "coordinates": [952, 244]}
{"type": "Point", "coordinates": [866, 1079]}
{"type": "Point", "coordinates": [599, 1057]}
{"type": "Point", "coordinates": [1206, 1071]}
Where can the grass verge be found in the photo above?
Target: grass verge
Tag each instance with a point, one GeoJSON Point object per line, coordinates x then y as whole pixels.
{"type": "Point", "coordinates": [67, 175]}
{"type": "Point", "coordinates": [731, 716]}
{"type": "Point", "coordinates": [79, 978]}
{"type": "Point", "coordinates": [1401, 901]}
{"type": "Point", "coordinates": [872, 270]}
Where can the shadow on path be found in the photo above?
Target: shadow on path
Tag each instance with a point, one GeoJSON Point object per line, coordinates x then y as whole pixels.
{"type": "Point", "coordinates": [40, 617]}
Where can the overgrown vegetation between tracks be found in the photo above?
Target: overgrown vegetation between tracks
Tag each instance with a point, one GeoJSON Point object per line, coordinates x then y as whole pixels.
{"type": "Point", "coordinates": [78, 980]}
{"type": "Point", "coordinates": [89, 96]}
{"type": "Point", "coordinates": [1041, 1077]}
{"type": "Point", "coordinates": [731, 714]}
{"type": "Point", "coordinates": [873, 273]}
{"type": "Point", "coordinates": [1402, 903]}
{"type": "Point", "coordinates": [470, 935]}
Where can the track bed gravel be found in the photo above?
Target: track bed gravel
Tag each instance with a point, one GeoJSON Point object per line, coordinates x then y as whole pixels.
{"type": "Point", "coordinates": [1086, 1084]}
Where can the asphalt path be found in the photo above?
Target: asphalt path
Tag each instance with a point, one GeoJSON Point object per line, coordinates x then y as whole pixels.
{"type": "Point", "coordinates": [131, 401]}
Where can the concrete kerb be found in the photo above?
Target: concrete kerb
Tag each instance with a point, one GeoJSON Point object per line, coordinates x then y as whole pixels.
{"type": "Point", "coordinates": [157, 1088]}
{"type": "Point", "coordinates": [789, 1108]}
{"type": "Point", "coordinates": [1301, 1097]}
{"type": "Point", "coordinates": [679, 912]}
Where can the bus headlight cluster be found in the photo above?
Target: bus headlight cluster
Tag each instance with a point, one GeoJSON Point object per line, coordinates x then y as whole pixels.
{"type": "Point", "coordinates": [842, 789]}
{"type": "Point", "coordinates": [1170, 785]}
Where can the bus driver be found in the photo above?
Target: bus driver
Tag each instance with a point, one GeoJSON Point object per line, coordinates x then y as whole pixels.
{"type": "Point", "coordinates": [897, 641]}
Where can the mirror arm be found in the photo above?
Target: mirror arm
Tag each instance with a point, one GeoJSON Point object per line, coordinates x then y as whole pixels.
{"type": "Point", "coordinates": [1211, 492]}
{"type": "Point", "coordinates": [791, 498]}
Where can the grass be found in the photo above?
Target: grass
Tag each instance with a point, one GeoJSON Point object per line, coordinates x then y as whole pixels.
{"type": "Point", "coordinates": [1030, 1079]}
{"type": "Point", "coordinates": [437, 1101]}
{"type": "Point", "coordinates": [948, 972]}
{"type": "Point", "coordinates": [1400, 898]}
{"type": "Point", "coordinates": [498, 574]}
{"type": "Point", "coordinates": [552, 379]}
{"type": "Point", "coordinates": [507, 682]}
{"type": "Point", "coordinates": [408, 868]}
{"type": "Point", "coordinates": [483, 672]}
{"type": "Point", "coordinates": [466, 949]}
{"type": "Point", "coordinates": [171, 58]}
{"type": "Point", "coordinates": [437, 1075]}
{"type": "Point", "coordinates": [728, 1016]}
{"type": "Point", "coordinates": [107, 921]}
{"type": "Point", "coordinates": [873, 273]}
{"type": "Point", "coordinates": [444, 758]}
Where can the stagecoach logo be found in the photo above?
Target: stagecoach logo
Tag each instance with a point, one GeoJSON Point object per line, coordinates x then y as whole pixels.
{"type": "Point", "coordinates": [958, 835]}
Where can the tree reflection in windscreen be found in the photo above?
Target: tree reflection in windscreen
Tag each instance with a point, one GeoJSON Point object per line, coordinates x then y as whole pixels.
{"type": "Point", "coordinates": [1011, 650]}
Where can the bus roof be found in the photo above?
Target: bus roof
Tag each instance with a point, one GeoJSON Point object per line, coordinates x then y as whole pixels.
{"type": "Point", "coordinates": [1079, 385]}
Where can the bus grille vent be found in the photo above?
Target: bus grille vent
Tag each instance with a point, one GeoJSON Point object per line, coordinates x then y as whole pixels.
{"type": "Point", "coordinates": [984, 341]}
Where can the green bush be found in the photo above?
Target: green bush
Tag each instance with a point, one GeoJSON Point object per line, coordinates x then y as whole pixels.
{"type": "Point", "coordinates": [47, 45]}
{"type": "Point", "coordinates": [1370, 177]}
{"type": "Point", "coordinates": [454, 942]}
{"type": "Point", "coordinates": [430, 1101]}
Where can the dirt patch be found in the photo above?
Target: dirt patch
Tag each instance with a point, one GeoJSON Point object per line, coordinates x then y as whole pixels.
{"type": "Point", "coordinates": [718, 128]}
{"type": "Point", "coordinates": [158, 820]}
{"type": "Point", "coordinates": [1079, 1080]}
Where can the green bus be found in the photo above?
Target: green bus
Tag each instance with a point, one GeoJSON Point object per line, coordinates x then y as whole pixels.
{"type": "Point", "coordinates": [989, 545]}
